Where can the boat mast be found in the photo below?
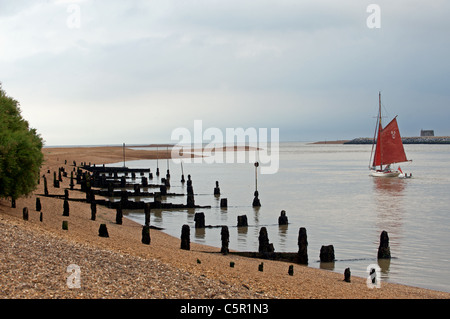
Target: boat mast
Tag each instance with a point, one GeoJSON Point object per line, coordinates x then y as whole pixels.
{"type": "Point", "coordinates": [379, 129]}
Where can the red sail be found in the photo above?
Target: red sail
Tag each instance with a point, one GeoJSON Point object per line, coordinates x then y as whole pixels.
{"type": "Point", "coordinates": [389, 146]}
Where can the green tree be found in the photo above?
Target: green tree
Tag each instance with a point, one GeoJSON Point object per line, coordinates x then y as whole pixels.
{"type": "Point", "coordinates": [20, 151]}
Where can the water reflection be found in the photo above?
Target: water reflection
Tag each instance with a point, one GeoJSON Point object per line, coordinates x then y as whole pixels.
{"type": "Point", "coordinates": [327, 265]}
{"type": "Point", "coordinates": [388, 196]}
{"type": "Point", "coordinates": [384, 265]}
{"type": "Point", "coordinates": [200, 233]}
{"type": "Point", "coordinates": [389, 201]}
{"type": "Point", "coordinates": [282, 236]}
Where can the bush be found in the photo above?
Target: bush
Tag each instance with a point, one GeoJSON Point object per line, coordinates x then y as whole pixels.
{"type": "Point", "coordinates": [20, 151]}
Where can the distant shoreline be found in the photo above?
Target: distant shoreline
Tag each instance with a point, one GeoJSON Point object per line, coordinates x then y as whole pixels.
{"type": "Point", "coordinates": [331, 142]}
{"type": "Point", "coordinates": [406, 140]}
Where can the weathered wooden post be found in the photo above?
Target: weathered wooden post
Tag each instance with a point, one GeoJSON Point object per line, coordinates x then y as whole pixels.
{"type": "Point", "coordinates": [93, 210]}
{"type": "Point", "coordinates": [182, 171]}
{"type": "Point", "coordinates": [38, 204]}
{"type": "Point", "coordinates": [190, 193]}
{"type": "Point", "coordinates": [66, 194]}
{"type": "Point", "coordinates": [65, 225]}
{"type": "Point", "coordinates": [146, 234]}
{"type": "Point", "coordinates": [119, 215]}
{"type": "Point", "coordinates": [190, 190]}
{"type": "Point", "coordinates": [147, 214]}
{"type": "Point", "coordinates": [291, 270]}
{"type": "Point", "coordinates": [261, 266]}
{"type": "Point", "coordinates": [225, 238]}
{"type": "Point", "coordinates": [282, 220]}
{"type": "Point", "coordinates": [66, 208]}
{"type": "Point", "coordinates": [71, 181]}
{"type": "Point", "coordinates": [25, 213]}
{"type": "Point", "coordinates": [347, 275]}
{"type": "Point", "coordinates": [242, 221]}
{"type": "Point", "coordinates": [45, 186]}
{"type": "Point", "coordinates": [163, 190]}
{"type": "Point", "coordinates": [256, 202]}
{"type": "Point", "coordinates": [199, 219]}
{"type": "Point", "coordinates": [41, 217]}
{"type": "Point", "coordinates": [103, 231]}
{"type": "Point", "coordinates": [185, 237]}
{"type": "Point", "coordinates": [137, 189]}
{"type": "Point", "coordinates": [217, 189]}
{"type": "Point", "coordinates": [384, 251]}
{"type": "Point", "coordinates": [223, 203]}
{"type": "Point", "coordinates": [302, 246]}
{"type": "Point", "coordinates": [264, 245]}
{"type": "Point", "coordinates": [327, 254]}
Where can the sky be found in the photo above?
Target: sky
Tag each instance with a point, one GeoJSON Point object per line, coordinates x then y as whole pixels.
{"type": "Point", "coordinates": [112, 72]}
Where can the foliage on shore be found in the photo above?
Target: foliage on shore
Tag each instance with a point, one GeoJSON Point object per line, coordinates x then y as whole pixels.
{"type": "Point", "coordinates": [20, 151]}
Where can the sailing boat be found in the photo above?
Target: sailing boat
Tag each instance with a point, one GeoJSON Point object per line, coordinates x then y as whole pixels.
{"type": "Point", "coordinates": [388, 148]}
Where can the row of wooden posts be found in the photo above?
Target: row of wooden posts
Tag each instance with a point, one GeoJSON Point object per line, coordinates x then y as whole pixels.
{"type": "Point", "coordinates": [265, 247]}
{"type": "Point", "coordinates": [326, 252]}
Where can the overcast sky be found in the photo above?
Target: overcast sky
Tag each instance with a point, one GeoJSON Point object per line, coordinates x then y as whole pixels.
{"type": "Point", "coordinates": [109, 72]}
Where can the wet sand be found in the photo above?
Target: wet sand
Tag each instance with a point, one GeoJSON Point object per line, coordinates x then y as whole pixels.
{"type": "Point", "coordinates": [35, 255]}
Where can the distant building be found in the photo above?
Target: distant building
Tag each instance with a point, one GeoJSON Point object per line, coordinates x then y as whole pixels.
{"type": "Point", "coordinates": [426, 132]}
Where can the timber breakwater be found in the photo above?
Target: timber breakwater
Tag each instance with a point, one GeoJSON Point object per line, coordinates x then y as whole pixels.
{"type": "Point", "coordinates": [407, 140]}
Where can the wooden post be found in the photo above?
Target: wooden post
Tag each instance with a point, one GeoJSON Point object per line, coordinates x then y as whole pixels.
{"type": "Point", "coordinates": [347, 275]}
{"type": "Point", "coordinates": [264, 245]}
{"type": "Point", "coordinates": [45, 186]}
{"type": "Point", "coordinates": [66, 208]}
{"type": "Point", "coordinates": [256, 202]}
{"type": "Point", "coordinates": [384, 251]}
{"type": "Point", "coordinates": [217, 189]}
{"type": "Point", "coordinates": [302, 246]}
{"type": "Point", "coordinates": [242, 221]}
{"type": "Point", "coordinates": [282, 220]}
{"type": "Point", "coordinates": [25, 213]}
{"type": "Point", "coordinates": [38, 204]}
{"type": "Point", "coordinates": [146, 234]}
{"type": "Point", "coordinates": [185, 237]}
{"type": "Point", "coordinates": [71, 181]}
{"type": "Point", "coordinates": [225, 238]}
{"type": "Point", "coordinates": [103, 231]}
{"type": "Point", "coordinates": [223, 203]}
{"type": "Point", "coordinates": [327, 254]}
{"type": "Point", "coordinates": [147, 214]}
{"type": "Point", "coordinates": [291, 270]}
{"type": "Point", "coordinates": [199, 219]}
{"type": "Point", "coordinates": [93, 210]}
{"type": "Point", "coordinates": [119, 216]}
{"type": "Point", "coordinates": [123, 154]}
{"type": "Point", "coordinates": [65, 225]}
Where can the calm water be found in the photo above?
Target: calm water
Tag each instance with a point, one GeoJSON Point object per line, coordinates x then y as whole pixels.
{"type": "Point", "coordinates": [327, 190]}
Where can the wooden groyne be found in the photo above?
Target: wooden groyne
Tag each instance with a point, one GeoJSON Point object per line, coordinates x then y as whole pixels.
{"type": "Point", "coordinates": [407, 140]}
{"type": "Point", "coordinates": [104, 181]}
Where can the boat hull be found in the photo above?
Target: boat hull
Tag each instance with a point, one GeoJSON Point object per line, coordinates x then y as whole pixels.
{"type": "Point", "coordinates": [384, 174]}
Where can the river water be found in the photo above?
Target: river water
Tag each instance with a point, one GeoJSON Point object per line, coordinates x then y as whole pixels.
{"type": "Point", "coordinates": [326, 189]}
